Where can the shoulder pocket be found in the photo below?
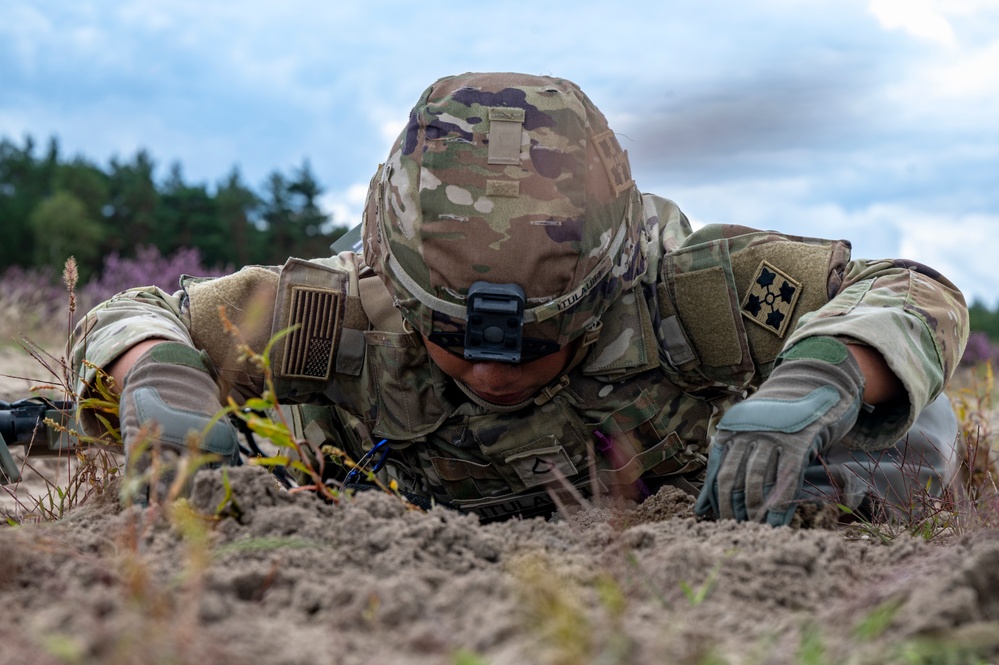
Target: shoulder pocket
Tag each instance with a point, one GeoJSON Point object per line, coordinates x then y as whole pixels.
{"type": "Point", "coordinates": [700, 295]}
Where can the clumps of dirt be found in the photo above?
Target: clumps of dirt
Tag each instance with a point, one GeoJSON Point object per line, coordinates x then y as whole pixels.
{"type": "Point", "coordinates": [263, 575]}
{"type": "Point", "coordinates": [959, 586]}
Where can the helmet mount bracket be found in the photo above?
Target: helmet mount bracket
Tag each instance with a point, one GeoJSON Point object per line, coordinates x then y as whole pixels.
{"type": "Point", "coordinates": [495, 322]}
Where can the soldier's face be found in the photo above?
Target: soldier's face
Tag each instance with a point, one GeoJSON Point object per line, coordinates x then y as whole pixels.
{"type": "Point", "coordinates": [502, 383]}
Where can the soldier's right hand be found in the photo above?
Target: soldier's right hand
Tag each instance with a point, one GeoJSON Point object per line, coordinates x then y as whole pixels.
{"type": "Point", "coordinates": [756, 468]}
{"type": "Point", "coordinates": [168, 400]}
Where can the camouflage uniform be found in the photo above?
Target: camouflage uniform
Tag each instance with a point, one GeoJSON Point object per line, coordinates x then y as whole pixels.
{"type": "Point", "coordinates": [673, 325]}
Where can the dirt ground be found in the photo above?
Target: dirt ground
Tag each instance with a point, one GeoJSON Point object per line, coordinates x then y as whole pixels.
{"type": "Point", "coordinates": [264, 576]}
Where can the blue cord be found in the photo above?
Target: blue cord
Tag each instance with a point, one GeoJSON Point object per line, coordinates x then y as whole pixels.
{"type": "Point", "coordinates": [367, 456]}
{"type": "Point", "coordinates": [381, 462]}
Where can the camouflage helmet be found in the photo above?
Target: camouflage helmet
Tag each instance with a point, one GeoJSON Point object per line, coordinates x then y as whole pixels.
{"type": "Point", "coordinates": [505, 179]}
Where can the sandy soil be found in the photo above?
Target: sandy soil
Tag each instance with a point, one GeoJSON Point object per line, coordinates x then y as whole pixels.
{"type": "Point", "coordinates": [289, 579]}
{"type": "Point", "coordinates": [269, 577]}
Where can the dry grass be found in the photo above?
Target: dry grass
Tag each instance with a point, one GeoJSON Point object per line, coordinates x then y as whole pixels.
{"type": "Point", "coordinates": [977, 490]}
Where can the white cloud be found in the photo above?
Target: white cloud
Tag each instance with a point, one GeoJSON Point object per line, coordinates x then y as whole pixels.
{"type": "Point", "coordinates": [975, 74]}
{"type": "Point", "coordinates": [965, 7]}
{"type": "Point", "coordinates": [346, 205]}
{"type": "Point", "coordinates": [782, 204]}
{"type": "Point", "coordinates": [23, 29]}
{"type": "Point", "coordinates": [390, 130]}
{"type": "Point", "coordinates": [920, 18]}
{"type": "Point", "coordinates": [962, 248]}
{"type": "Point", "coordinates": [802, 116]}
{"type": "Point", "coordinates": [944, 91]}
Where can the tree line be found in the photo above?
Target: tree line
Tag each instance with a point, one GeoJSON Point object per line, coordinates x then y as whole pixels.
{"type": "Point", "coordinates": [52, 207]}
{"type": "Point", "coordinates": [985, 320]}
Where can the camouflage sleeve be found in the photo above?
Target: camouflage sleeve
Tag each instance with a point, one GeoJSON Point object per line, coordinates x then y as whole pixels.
{"type": "Point", "coordinates": [914, 316]}
{"type": "Point", "coordinates": [117, 325]}
{"type": "Point", "coordinates": [139, 314]}
{"type": "Point", "coordinates": [249, 299]}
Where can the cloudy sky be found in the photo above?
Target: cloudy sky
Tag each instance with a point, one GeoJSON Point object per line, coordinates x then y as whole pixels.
{"type": "Point", "coordinates": [872, 120]}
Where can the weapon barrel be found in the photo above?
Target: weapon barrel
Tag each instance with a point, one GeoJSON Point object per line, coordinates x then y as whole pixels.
{"type": "Point", "coordinates": [22, 423]}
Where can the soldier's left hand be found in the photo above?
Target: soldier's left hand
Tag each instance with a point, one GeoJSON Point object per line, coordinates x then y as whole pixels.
{"type": "Point", "coordinates": [758, 457]}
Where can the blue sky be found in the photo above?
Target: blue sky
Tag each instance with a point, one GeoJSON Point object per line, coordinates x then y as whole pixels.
{"type": "Point", "coordinates": [872, 120]}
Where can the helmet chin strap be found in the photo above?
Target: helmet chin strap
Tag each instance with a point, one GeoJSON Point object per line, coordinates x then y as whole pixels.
{"type": "Point", "coordinates": [549, 391]}
{"type": "Point", "coordinates": [497, 408]}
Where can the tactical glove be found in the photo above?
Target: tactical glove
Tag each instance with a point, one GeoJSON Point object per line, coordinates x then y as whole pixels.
{"type": "Point", "coordinates": [170, 387]}
{"type": "Point", "coordinates": [758, 456]}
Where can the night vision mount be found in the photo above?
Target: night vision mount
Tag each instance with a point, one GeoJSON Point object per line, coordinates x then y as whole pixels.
{"type": "Point", "coordinates": [494, 330]}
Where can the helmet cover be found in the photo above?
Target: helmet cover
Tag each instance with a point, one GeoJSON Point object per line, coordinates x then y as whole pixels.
{"type": "Point", "coordinates": [507, 179]}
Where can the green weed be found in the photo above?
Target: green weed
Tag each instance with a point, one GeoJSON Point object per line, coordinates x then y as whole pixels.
{"type": "Point", "coordinates": [554, 602]}
{"type": "Point", "coordinates": [812, 649]}
{"type": "Point", "coordinates": [698, 595]}
{"type": "Point", "coordinates": [874, 624]}
{"type": "Point", "coordinates": [465, 657]}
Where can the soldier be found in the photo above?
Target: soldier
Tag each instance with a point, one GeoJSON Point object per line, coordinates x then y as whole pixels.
{"type": "Point", "coordinates": [522, 316]}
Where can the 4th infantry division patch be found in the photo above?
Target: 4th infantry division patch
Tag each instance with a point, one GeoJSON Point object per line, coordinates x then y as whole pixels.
{"type": "Point", "coordinates": [771, 299]}
{"type": "Point", "coordinates": [615, 161]}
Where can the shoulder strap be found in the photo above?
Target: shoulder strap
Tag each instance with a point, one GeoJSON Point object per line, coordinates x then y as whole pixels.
{"type": "Point", "coordinates": [377, 304]}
